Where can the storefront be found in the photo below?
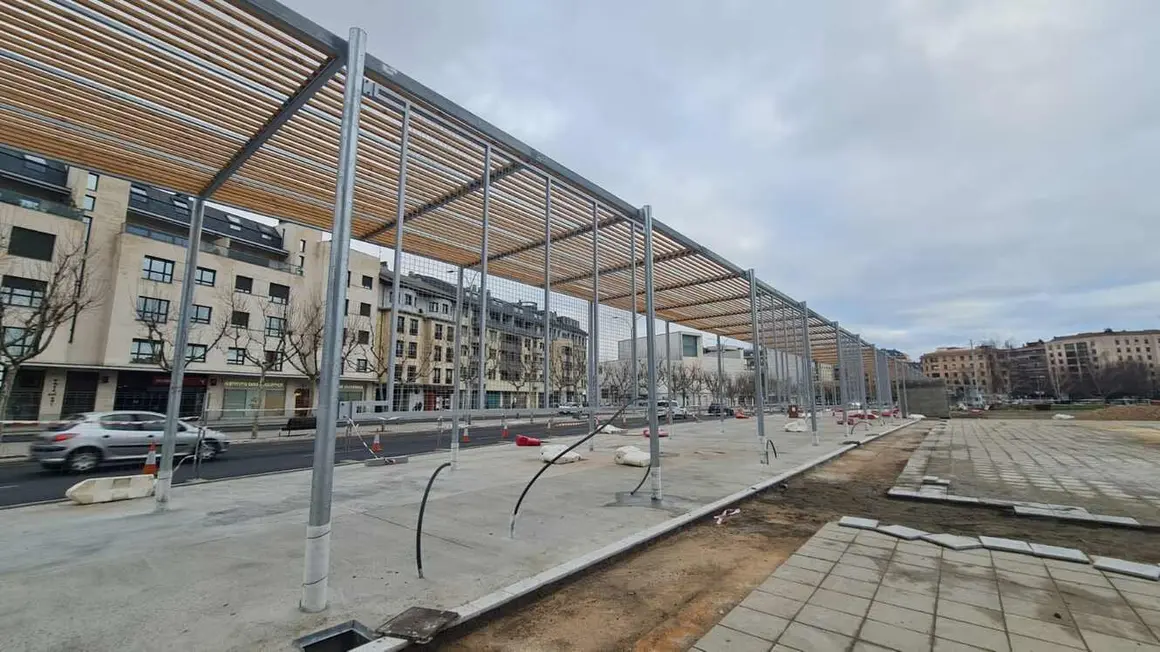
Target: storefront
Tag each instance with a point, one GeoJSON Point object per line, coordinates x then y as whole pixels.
{"type": "Point", "coordinates": [242, 397]}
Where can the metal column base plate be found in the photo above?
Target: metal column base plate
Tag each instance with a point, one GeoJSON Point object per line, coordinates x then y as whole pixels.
{"type": "Point", "coordinates": [418, 624]}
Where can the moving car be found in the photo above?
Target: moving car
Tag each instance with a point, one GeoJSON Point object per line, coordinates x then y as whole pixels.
{"type": "Point", "coordinates": [716, 410]}
{"type": "Point", "coordinates": [573, 409]}
{"type": "Point", "coordinates": [679, 411]}
{"type": "Point", "coordinates": [83, 442]}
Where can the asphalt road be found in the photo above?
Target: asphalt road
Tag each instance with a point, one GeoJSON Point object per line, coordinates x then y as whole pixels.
{"type": "Point", "coordinates": [26, 482]}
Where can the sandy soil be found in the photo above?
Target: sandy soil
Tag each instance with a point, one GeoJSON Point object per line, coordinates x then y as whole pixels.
{"type": "Point", "coordinates": [665, 597]}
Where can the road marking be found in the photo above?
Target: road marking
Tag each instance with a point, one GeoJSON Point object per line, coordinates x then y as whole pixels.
{"type": "Point", "coordinates": [8, 486]}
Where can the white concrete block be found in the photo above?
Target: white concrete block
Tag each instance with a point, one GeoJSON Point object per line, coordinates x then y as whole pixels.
{"type": "Point", "coordinates": [1146, 571]}
{"type": "Point", "coordinates": [1007, 545]}
{"type": "Point", "coordinates": [1059, 552]}
{"type": "Point", "coordinates": [860, 523]}
{"type": "Point", "coordinates": [631, 456]}
{"type": "Point", "coordinates": [953, 541]}
{"type": "Point", "coordinates": [797, 425]}
{"type": "Point", "coordinates": [901, 531]}
{"type": "Point", "coordinates": [106, 490]}
{"type": "Point", "coordinates": [902, 492]}
{"type": "Point", "coordinates": [548, 452]}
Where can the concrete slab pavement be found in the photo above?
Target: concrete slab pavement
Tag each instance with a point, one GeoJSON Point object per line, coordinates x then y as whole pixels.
{"type": "Point", "coordinates": [222, 569]}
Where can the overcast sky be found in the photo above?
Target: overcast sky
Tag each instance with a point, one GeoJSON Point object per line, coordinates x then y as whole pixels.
{"type": "Point", "coordinates": [927, 172]}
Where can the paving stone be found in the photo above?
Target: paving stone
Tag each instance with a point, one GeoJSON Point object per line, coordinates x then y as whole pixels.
{"type": "Point", "coordinates": [1115, 520]}
{"type": "Point", "coordinates": [901, 531]}
{"type": "Point", "coordinates": [818, 552]}
{"type": "Point", "coordinates": [918, 621]}
{"type": "Point", "coordinates": [906, 599]}
{"type": "Point", "coordinates": [828, 619]}
{"type": "Point", "coordinates": [786, 588]}
{"type": "Point", "coordinates": [969, 613]}
{"type": "Point", "coordinates": [1035, 628]}
{"type": "Point", "coordinates": [844, 602]}
{"type": "Point", "coordinates": [1027, 644]}
{"type": "Point", "coordinates": [894, 637]}
{"type": "Point", "coordinates": [977, 635]}
{"type": "Point", "coordinates": [1104, 643]}
{"type": "Point", "coordinates": [774, 605]}
{"type": "Point", "coordinates": [756, 623]}
{"type": "Point", "coordinates": [1133, 569]}
{"type": "Point", "coordinates": [953, 541]}
{"type": "Point", "coordinates": [809, 563]}
{"type": "Point", "coordinates": [870, 551]}
{"type": "Point", "coordinates": [1133, 585]}
{"type": "Point", "coordinates": [945, 645]}
{"type": "Point", "coordinates": [853, 587]}
{"type": "Point", "coordinates": [800, 636]}
{"type": "Point", "coordinates": [1059, 552]}
{"type": "Point", "coordinates": [1075, 577]}
{"type": "Point", "coordinates": [863, 646]}
{"type": "Point", "coordinates": [854, 559]}
{"type": "Point", "coordinates": [977, 598]}
{"type": "Point", "coordinates": [1133, 629]}
{"type": "Point", "coordinates": [799, 575]}
{"type": "Point", "coordinates": [963, 500]}
{"type": "Point", "coordinates": [857, 573]}
{"type": "Point", "coordinates": [1023, 510]}
{"type": "Point", "coordinates": [858, 522]}
{"type": "Point", "coordinates": [923, 548]}
{"type": "Point", "coordinates": [920, 561]}
{"type": "Point", "coordinates": [724, 639]}
{"type": "Point", "coordinates": [1008, 545]}
{"type": "Point", "coordinates": [902, 492]}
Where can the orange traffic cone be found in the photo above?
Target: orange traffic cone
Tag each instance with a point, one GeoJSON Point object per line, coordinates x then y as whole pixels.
{"type": "Point", "coordinates": [466, 437]}
{"type": "Point", "coordinates": [376, 447]}
{"type": "Point", "coordinates": [150, 461]}
{"type": "Point", "coordinates": [504, 433]}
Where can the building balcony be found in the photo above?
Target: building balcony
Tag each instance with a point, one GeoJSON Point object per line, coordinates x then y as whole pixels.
{"type": "Point", "coordinates": [22, 200]}
{"type": "Point", "coordinates": [210, 248]}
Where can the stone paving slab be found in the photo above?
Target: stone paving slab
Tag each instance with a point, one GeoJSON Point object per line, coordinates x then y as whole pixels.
{"type": "Point", "coordinates": [1090, 471]}
{"type": "Point", "coordinates": [949, 601]}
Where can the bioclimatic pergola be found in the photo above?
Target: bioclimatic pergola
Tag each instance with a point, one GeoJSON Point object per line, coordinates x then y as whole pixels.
{"type": "Point", "coordinates": [252, 105]}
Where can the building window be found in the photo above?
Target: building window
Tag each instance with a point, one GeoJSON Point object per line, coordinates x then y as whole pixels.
{"type": "Point", "coordinates": [28, 243]}
{"type": "Point", "coordinates": [433, 306]}
{"type": "Point", "coordinates": [436, 375]}
{"type": "Point", "coordinates": [447, 377]}
{"type": "Point", "coordinates": [275, 326]}
{"type": "Point", "coordinates": [408, 300]}
{"type": "Point", "coordinates": [399, 348]}
{"type": "Point", "coordinates": [400, 324]}
{"type": "Point", "coordinates": [364, 337]}
{"type": "Point", "coordinates": [414, 330]}
{"type": "Point", "coordinates": [368, 282]}
{"type": "Point", "coordinates": [438, 354]}
{"type": "Point", "coordinates": [273, 360]}
{"type": "Point", "coordinates": [346, 306]}
{"type": "Point", "coordinates": [236, 356]}
{"type": "Point", "coordinates": [279, 293]}
{"type": "Point", "coordinates": [348, 278]}
{"type": "Point", "coordinates": [398, 373]}
{"type": "Point", "coordinates": [145, 351]}
{"type": "Point", "coordinates": [412, 374]}
{"type": "Point", "coordinates": [153, 311]}
{"type": "Point", "coordinates": [412, 350]}
{"type": "Point", "coordinates": [89, 202]}
{"type": "Point", "coordinates": [450, 354]}
{"type": "Point", "coordinates": [157, 269]}
{"type": "Point", "coordinates": [243, 284]}
{"type": "Point", "coordinates": [23, 292]}
{"type": "Point", "coordinates": [301, 262]}
{"type": "Point", "coordinates": [302, 246]}
{"type": "Point", "coordinates": [364, 309]}
{"type": "Point", "coordinates": [195, 352]}
{"type": "Point", "coordinates": [201, 314]}
{"type": "Point", "coordinates": [361, 365]}
{"type": "Point", "coordinates": [438, 331]}
{"type": "Point", "coordinates": [91, 181]}
{"type": "Point", "coordinates": [689, 346]}
{"type": "Point", "coordinates": [240, 319]}
{"type": "Point", "coordinates": [446, 308]}
{"type": "Point", "coordinates": [16, 342]}
{"type": "Point", "coordinates": [205, 276]}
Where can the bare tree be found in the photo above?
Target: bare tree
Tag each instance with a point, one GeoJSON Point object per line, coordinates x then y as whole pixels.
{"type": "Point", "coordinates": [714, 384]}
{"type": "Point", "coordinates": [680, 380]}
{"type": "Point", "coordinates": [569, 371]}
{"type": "Point", "coordinates": [262, 347]}
{"type": "Point", "coordinates": [617, 381]}
{"type": "Point", "coordinates": [37, 299]}
{"type": "Point", "coordinates": [744, 382]}
{"type": "Point", "coordinates": [532, 370]}
{"type": "Point", "coordinates": [304, 325]}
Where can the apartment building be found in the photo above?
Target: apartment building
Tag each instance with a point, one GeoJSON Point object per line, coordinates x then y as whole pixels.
{"type": "Point", "coordinates": [513, 371]}
{"type": "Point", "coordinates": [255, 282]}
{"type": "Point", "coordinates": [1088, 358]}
{"type": "Point", "coordinates": [968, 372]}
{"type": "Point", "coordinates": [1023, 371]}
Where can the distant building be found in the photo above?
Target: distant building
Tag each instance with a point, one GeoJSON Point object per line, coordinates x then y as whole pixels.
{"type": "Point", "coordinates": [1023, 371]}
{"type": "Point", "coordinates": [969, 372]}
{"type": "Point", "coordinates": [1083, 361]}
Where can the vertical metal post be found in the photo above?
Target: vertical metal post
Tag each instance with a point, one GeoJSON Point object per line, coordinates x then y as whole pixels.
{"type": "Point", "coordinates": [456, 404]}
{"type": "Point", "coordinates": [669, 375]}
{"type": "Point", "coordinates": [783, 362]}
{"type": "Point", "coordinates": [778, 352]}
{"type": "Point", "coordinates": [632, 287]}
{"type": "Point", "coordinates": [861, 351]}
{"type": "Point", "coordinates": [180, 344]}
{"type": "Point", "coordinates": [316, 571]}
{"type": "Point", "coordinates": [840, 399]}
{"type": "Point", "coordinates": [594, 336]}
{"type": "Point", "coordinates": [811, 401]}
{"type": "Point", "coordinates": [877, 376]}
{"type": "Point", "coordinates": [483, 279]}
{"type": "Point", "coordinates": [547, 292]}
{"type": "Point", "coordinates": [759, 366]}
{"type": "Point", "coordinates": [903, 377]}
{"type": "Point", "coordinates": [720, 384]}
{"type": "Point", "coordinates": [758, 389]}
{"type": "Point", "coordinates": [650, 326]}
{"type": "Point", "coordinates": [400, 212]}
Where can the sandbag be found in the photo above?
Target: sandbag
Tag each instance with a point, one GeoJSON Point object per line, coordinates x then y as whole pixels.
{"type": "Point", "coordinates": [1062, 417]}
{"type": "Point", "coordinates": [549, 452]}
{"type": "Point", "coordinates": [797, 425]}
{"type": "Point", "coordinates": [631, 456]}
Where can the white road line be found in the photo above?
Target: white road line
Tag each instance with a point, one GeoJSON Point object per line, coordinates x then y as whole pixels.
{"type": "Point", "coordinates": [8, 486]}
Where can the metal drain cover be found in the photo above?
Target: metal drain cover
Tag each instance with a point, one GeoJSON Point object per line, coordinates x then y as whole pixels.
{"type": "Point", "coordinates": [418, 624]}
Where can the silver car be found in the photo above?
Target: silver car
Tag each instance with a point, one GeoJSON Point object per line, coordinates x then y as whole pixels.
{"type": "Point", "coordinates": [83, 442]}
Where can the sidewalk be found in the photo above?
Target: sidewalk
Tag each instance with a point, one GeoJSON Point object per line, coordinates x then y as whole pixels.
{"type": "Point", "coordinates": [222, 569]}
{"type": "Point", "coordinates": [847, 587]}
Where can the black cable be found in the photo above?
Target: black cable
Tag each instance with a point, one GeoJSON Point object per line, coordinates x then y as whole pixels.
{"type": "Point", "coordinates": [419, 526]}
{"type": "Point", "coordinates": [769, 444]}
{"type": "Point", "coordinates": [641, 483]}
{"type": "Point", "coordinates": [512, 524]}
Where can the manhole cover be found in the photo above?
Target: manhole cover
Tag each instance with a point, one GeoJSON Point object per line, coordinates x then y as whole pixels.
{"type": "Point", "coordinates": [418, 624]}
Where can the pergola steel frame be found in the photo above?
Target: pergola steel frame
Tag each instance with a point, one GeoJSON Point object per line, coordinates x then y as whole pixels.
{"type": "Point", "coordinates": [249, 103]}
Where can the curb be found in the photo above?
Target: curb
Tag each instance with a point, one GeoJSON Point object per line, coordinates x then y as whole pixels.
{"type": "Point", "coordinates": [522, 588]}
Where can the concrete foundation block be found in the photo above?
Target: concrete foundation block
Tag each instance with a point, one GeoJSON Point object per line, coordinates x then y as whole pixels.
{"type": "Point", "coordinates": [953, 541]}
{"type": "Point", "coordinates": [1006, 545]}
{"type": "Point", "coordinates": [1059, 552]}
{"type": "Point", "coordinates": [1110, 565]}
{"type": "Point", "coordinates": [860, 523]}
{"type": "Point", "coordinates": [901, 531]}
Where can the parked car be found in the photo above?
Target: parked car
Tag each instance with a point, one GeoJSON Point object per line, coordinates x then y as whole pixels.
{"type": "Point", "coordinates": [83, 442]}
{"type": "Point", "coordinates": [679, 411]}
{"type": "Point", "coordinates": [716, 410]}
{"type": "Point", "coordinates": [571, 409]}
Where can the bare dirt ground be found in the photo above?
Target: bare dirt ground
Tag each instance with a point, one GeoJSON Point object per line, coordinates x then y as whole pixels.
{"type": "Point", "coordinates": [666, 596]}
